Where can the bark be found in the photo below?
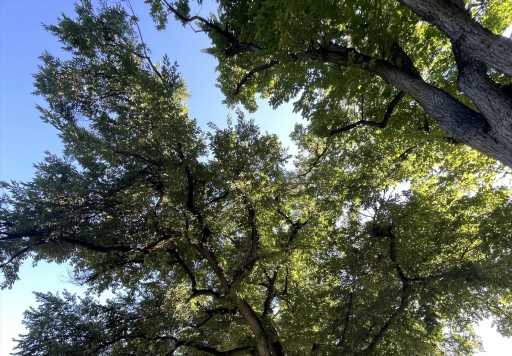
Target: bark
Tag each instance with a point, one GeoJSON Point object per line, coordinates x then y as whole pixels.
{"type": "Point", "coordinates": [492, 100]}
{"type": "Point", "coordinates": [489, 130]}
{"type": "Point", "coordinates": [458, 120]}
{"type": "Point", "coordinates": [267, 342]}
{"type": "Point", "coordinates": [480, 43]}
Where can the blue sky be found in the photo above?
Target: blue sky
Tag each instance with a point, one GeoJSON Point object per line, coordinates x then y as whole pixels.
{"type": "Point", "coordinates": [24, 138]}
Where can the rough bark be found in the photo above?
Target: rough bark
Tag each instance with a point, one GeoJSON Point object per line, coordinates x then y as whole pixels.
{"type": "Point", "coordinates": [491, 99]}
{"type": "Point", "coordinates": [461, 122]}
{"type": "Point", "coordinates": [480, 43]}
{"type": "Point", "coordinates": [489, 130]}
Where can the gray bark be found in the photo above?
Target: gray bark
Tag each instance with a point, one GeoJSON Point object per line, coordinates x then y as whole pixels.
{"type": "Point", "coordinates": [492, 100]}
{"type": "Point", "coordinates": [477, 41]}
{"type": "Point", "coordinates": [458, 120]}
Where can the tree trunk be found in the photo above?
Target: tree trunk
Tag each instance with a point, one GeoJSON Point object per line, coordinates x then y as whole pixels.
{"type": "Point", "coordinates": [475, 47]}
{"type": "Point", "coordinates": [480, 43]}
{"type": "Point", "coordinates": [492, 137]}
{"type": "Point", "coordinates": [468, 126]}
{"type": "Point", "coordinates": [267, 342]}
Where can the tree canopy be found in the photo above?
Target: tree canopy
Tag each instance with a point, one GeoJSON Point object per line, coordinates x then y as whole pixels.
{"type": "Point", "coordinates": [429, 61]}
{"type": "Point", "coordinates": [377, 241]}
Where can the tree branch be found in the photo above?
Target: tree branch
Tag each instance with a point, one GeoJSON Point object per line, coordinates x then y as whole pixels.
{"type": "Point", "coordinates": [403, 294]}
{"type": "Point", "coordinates": [451, 18]}
{"type": "Point", "coordinates": [460, 121]}
{"type": "Point", "coordinates": [296, 226]}
{"type": "Point", "coordinates": [252, 73]}
{"type": "Point", "coordinates": [211, 313]}
{"type": "Point", "coordinates": [251, 256]}
{"type": "Point", "coordinates": [236, 46]}
{"type": "Point", "coordinates": [18, 254]}
{"type": "Point", "coordinates": [376, 338]}
{"type": "Point", "coordinates": [379, 124]}
{"type": "Point", "coordinates": [271, 291]}
{"type": "Point", "coordinates": [491, 99]}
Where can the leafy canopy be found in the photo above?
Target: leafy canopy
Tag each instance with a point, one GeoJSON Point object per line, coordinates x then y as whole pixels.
{"type": "Point", "coordinates": [211, 246]}
{"type": "Point", "coordinates": [365, 63]}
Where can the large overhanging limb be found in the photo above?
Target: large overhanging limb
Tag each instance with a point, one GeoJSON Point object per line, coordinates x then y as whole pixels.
{"type": "Point", "coordinates": [461, 122]}
{"type": "Point", "coordinates": [491, 99]}
{"type": "Point", "coordinates": [480, 43]}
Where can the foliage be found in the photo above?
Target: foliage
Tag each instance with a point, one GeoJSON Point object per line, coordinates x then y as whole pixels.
{"type": "Point", "coordinates": [344, 63]}
{"type": "Point", "coordinates": [211, 246]}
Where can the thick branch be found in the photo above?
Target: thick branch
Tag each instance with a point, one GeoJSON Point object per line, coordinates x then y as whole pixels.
{"type": "Point", "coordinates": [461, 122]}
{"type": "Point", "coordinates": [492, 100]}
{"type": "Point", "coordinates": [404, 297]}
{"type": "Point", "coordinates": [480, 43]}
{"type": "Point", "coordinates": [267, 341]}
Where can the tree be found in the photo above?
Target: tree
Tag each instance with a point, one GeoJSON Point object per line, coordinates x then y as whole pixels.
{"type": "Point", "coordinates": [379, 57]}
{"type": "Point", "coordinates": [211, 246]}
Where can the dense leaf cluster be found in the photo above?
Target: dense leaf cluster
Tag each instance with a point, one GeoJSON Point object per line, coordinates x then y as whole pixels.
{"type": "Point", "coordinates": [377, 242]}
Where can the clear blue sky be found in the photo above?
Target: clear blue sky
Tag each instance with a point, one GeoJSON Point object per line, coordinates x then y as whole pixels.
{"type": "Point", "coordinates": [24, 138]}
